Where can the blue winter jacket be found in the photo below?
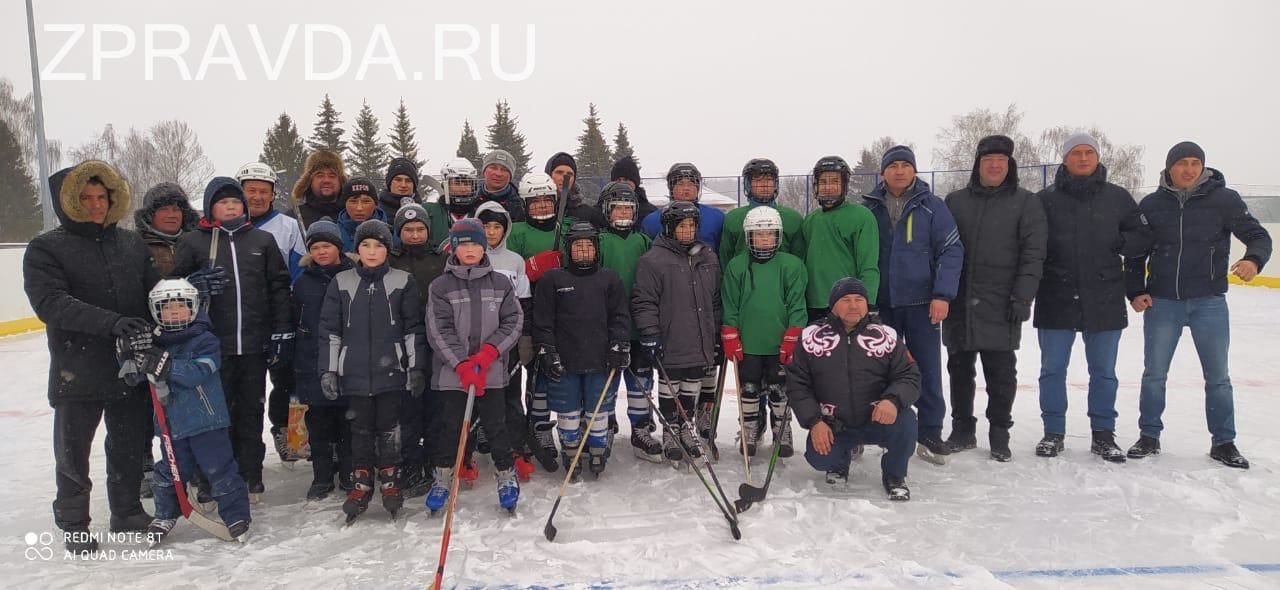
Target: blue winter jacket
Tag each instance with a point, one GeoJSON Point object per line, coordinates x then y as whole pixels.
{"type": "Point", "coordinates": [920, 259]}
{"type": "Point", "coordinates": [1191, 254]}
{"type": "Point", "coordinates": [348, 227]}
{"type": "Point", "coordinates": [195, 403]}
{"type": "Point", "coordinates": [710, 225]}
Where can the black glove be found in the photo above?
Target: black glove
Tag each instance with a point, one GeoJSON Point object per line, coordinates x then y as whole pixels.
{"type": "Point", "coordinates": [641, 363]}
{"type": "Point", "coordinates": [208, 281]}
{"type": "Point", "coordinates": [417, 383]}
{"type": "Point", "coordinates": [133, 330]}
{"type": "Point", "coordinates": [619, 355]}
{"type": "Point", "coordinates": [1019, 311]}
{"type": "Point", "coordinates": [280, 350]}
{"type": "Point", "coordinates": [550, 363]}
{"type": "Point", "coordinates": [329, 386]}
{"type": "Point", "coordinates": [653, 347]}
{"type": "Point", "coordinates": [129, 371]}
{"type": "Point", "coordinates": [154, 364]}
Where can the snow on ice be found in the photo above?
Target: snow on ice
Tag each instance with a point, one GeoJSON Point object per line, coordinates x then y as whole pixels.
{"type": "Point", "coordinates": [1178, 520]}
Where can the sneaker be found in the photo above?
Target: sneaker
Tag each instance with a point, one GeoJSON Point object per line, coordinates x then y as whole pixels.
{"type": "Point", "coordinates": [1145, 447]}
{"type": "Point", "coordinates": [782, 436]}
{"type": "Point", "coordinates": [508, 489]}
{"type": "Point", "coordinates": [838, 478]}
{"type": "Point", "coordinates": [1104, 445]}
{"type": "Point", "coordinates": [896, 488]}
{"type": "Point", "coordinates": [133, 523]}
{"type": "Point", "coordinates": [692, 444]}
{"type": "Point", "coordinates": [1050, 445]}
{"type": "Point", "coordinates": [438, 495]}
{"type": "Point", "coordinates": [646, 446]}
{"type": "Point", "coordinates": [671, 447]}
{"type": "Point", "coordinates": [961, 442]}
{"type": "Point", "coordinates": [392, 497]}
{"type": "Point", "coordinates": [932, 449]}
{"type": "Point", "coordinates": [1227, 454]}
{"type": "Point", "coordinates": [319, 490]}
{"type": "Point", "coordinates": [360, 495]}
{"type": "Point", "coordinates": [239, 530]}
{"type": "Point", "coordinates": [159, 529]}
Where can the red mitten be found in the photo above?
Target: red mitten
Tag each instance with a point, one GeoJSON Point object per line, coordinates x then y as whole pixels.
{"type": "Point", "coordinates": [788, 348]}
{"type": "Point", "coordinates": [731, 344]}
{"type": "Point", "coordinates": [485, 357]}
{"type": "Point", "coordinates": [469, 375]}
{"type": "Point", "coordinates": [540, 263]}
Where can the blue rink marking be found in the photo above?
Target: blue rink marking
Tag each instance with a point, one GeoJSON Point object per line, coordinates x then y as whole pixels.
{"type": "Point", "coordinates": [745, 581]}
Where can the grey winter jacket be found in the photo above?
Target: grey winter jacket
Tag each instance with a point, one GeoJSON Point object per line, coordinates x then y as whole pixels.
{"type": "Point", "coordinates": [371, 331]}
{"type": "Point", "coordinates": [676, 298]}
{"type": "Point", "coordinates": [469, 306]}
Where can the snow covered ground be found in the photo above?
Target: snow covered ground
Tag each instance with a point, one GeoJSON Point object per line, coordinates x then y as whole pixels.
{"type": "Point", "coordinates": [1175, 521]}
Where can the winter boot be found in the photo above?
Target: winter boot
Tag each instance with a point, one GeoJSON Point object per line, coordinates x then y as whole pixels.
{"type": "Point", "coordinates": [361, 493]}
{"type": "Point", "coordinates": [999, 439]}
{"type": "Point", "coordinates": [838, 477]}
{"type": "Point", "coordinates": [1145, 447]}
{"type": "Point", "coordinates": [645, 445]}
{"type": "Point", "coordinates": [508, 489]}
{"type": "Point", "coordinates": [1104, 445]}
{"type": "Point", "coordinates": [438, 495]}
{"type": "Point", "coordinates": [79, 541]}
{"type": "Point", "coordinates": [1052, 444]}
{"type": "Point", "coordinates": [931, 448]}
{"type": "Point", "coordinates": [319, 490]}
{"type": "Point", "coordinates": [1227, 454]}
{"type": "Point", "coordinates": [134, 523]}
{"type": "Point", "coordinates": [782, 436]}
{"type": "Point", "coordinates": [392, 496]}
{"type": "Point", "coordinates": [963, 436]}
{"type": "Point", "coordinates": [896, 488]}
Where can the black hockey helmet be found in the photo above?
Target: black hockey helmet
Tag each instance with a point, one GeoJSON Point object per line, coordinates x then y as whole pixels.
{"type": "Point", "coordinates": [674, 213]}
{"type": "Point", "coordinates": [760, 167]}
{"type": "Point", "coordinates": [832, 164]}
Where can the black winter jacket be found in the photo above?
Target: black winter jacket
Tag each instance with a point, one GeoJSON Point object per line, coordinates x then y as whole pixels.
{"type": "Point", "coordinates": [306, 303]}
{"type": "Point", "coordinates": [371, 330]}
{"type": "Point", "coordinates": [581, 315]}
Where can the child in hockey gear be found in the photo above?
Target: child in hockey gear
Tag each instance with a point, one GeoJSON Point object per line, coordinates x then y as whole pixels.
{"type": "Point", "coordinates": [851, 383]}
{"type": "Point", "coordinates": [250, 316]}
{"type": "Point", "coordinates": [497, 226]}
{"type": "Point", "coordinates": [920, 263]}
{"type": "Point", "coordinates": [461, 183]}
{"type": "Point", "coordinates": [372, 332]}
{"type": "Point", "coordinates": [327, 425]}
{"type": "Point", "coordinates": [473, 318]}
{"type": "Point", "coordinates": [360, 204]}
{"type": "Point", "coordinates": [621, 246]}
{"type": "Point", "coordinates": [424, 262]}
{"type": "Point", "coordinates": [582, 328]}
{"type": "Point", "coordinates": [760, 178]}
{"type": "Point", "coordinates": [764, 311]}
{"type": "Point", "coordinates": [183, 365]}
{"type": "Point", "coordinates": [839, 239]}
{"type": "Point", "coordinates": [684, 182]}
{"type": "Point", "coordinates": [675, 306]}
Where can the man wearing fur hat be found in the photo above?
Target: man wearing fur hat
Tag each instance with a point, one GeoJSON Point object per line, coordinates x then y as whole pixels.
{"type": "Point", "coordinates": [88, 282]}
{"type": "Point", "coordinates": [1184, 284]}
{"type": "Point", "coordinates": [317, 192]}
{"type": "Point", "coordinates": [165, 215]}
{"type": "Point", "coordinates": [1003, 230]}
{"type": "Point", "coordinates": [497, 176]}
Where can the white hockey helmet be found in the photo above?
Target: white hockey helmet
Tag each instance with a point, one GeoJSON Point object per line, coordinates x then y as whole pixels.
{"type": "Point", "coordinates": [256, 171]}
{"type": "Point", "coordinates": [537, 185]}
{"type": "Point", "coordinates": [168, 290]}
{"type": "Point", "coordinates": [762, 218]}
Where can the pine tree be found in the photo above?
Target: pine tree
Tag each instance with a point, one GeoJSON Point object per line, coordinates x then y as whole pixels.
{"type": "Point", "coordinates": [468, 147]}
{"type": "Point", "coordinates": [594, 157]}
{"type": "Point", "coordinates": [368, 156]}
{"type": "Point", "coordinates": [404, 142]}
{"type": "Point", "coordinates": [622, 146]}
{"type": "Point", "coordinates": [20, 213]}
{"type": "Point", "coordinates": [327, 132]}
{"type": "Point", "coordinates": [505, 135]}
{"type": "Point", "coordinates": [283, 150]}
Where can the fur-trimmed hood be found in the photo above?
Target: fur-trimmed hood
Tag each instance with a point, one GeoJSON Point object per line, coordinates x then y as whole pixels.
{"type": "Point", "coordinates": [66, 184]}
{"type": "Point", "coordinates": [316, 161]}
{"type": "Point", "coordinates": [309, 262]}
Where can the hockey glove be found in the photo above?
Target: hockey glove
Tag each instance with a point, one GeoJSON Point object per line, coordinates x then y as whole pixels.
{"type": "Point", "coordinates": [155, 364]}
{"type": "Point", "coordinates": [619, 355]}
{"type": "Point", "coordinates": [280, 350]}
{"type": "Point", "coordinates": [540, 263]}
{"type": "Point", "coordinates": [787, 351]}
{"type": "Point", "coordinates": [730, 343]}
{"type": "Point", "coordinates": [550, 361]}
{"type": "Point", "coordinates": [208, 281]}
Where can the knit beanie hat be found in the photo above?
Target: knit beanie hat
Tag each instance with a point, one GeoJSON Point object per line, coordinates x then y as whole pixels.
{"type": "Point", "coordinates": [845, 286]}
{"type": "Point", "coordinates": [324, 230]}
{"type": "Point", "coordinates": [898, 153]}
{"type": "Point", "coordinates": [466, 231]}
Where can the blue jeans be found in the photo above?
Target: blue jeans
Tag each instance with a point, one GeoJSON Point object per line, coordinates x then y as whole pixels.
{"type": "Point", "coordinates": [924, 342]}
{"type": "Point", "coordinates": [1211, 332]}
{"type": "Point", "coordinates": [208, 453]}
{"type": "Point", "coordinates": [1100, 350]}
{"type": "Point", "coordinates": [898, 439]}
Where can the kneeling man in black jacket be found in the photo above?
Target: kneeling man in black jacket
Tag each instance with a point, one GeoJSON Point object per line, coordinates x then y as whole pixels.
{"type": "Point", "coordinates": [850, 384]}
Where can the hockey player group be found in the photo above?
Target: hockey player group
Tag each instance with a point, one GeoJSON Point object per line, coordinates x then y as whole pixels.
{"type": "Point", "coordinates": [506, 319]}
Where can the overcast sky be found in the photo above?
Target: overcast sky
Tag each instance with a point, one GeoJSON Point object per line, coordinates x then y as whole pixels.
{"type": "Point", "coordinates": [708, 82]}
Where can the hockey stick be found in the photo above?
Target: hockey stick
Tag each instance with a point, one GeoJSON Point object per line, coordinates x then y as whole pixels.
{"type": "Point", "coordinates": [715, 413]}
{"type": "Point", "coordinates": [749, 494]}
{"type": "Point", "coordinates": [725, 507]}
{"type": "Point", "coordinates": [549, 531]}
{"type": "Point", "coordinates": [453, 487]}
{"type": "Point", "coordinates": [563, 204]}
{"type": "Point", "coordinates": [216, 529]}
{"type": "Point", "coordinates": [742, 422]}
